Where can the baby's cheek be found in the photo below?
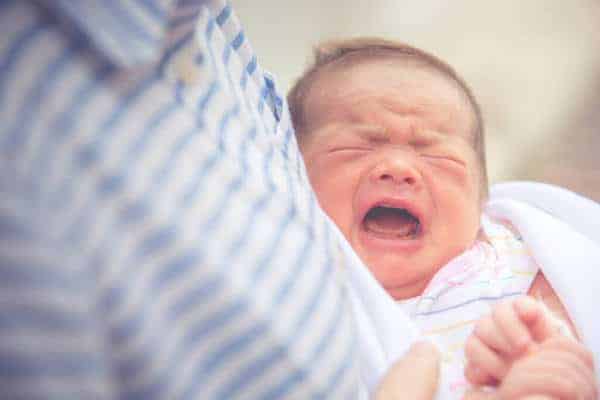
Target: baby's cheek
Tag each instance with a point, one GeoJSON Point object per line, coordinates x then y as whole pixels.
{"type": "Point", "coordinates": [333, 201]}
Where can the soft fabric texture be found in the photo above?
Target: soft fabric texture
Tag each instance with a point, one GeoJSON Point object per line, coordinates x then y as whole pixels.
{"type": "Point", "coordinates": [158, 235]}
{"type": "Point", "coordinates": [562, 229]}
{"type": "Point", "coordinates": [465, 290]}
{"type": "Point", "coordinates": [567, 251]}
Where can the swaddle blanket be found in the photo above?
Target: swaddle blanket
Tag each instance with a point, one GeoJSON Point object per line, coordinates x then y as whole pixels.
{"type": "Point", "coordinates": [562, 232]}
{"type": "Point", "coordinates": [549, 231]}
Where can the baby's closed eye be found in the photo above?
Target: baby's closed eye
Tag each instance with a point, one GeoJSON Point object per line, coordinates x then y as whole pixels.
{"type": "Point", "coordinates": [443, 158]}
{"type": "Point", "coordinates": [349, 151]}
{"type": "Point", "coordinates": [341, 149]}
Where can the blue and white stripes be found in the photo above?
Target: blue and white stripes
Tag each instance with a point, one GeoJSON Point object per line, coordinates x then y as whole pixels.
{"type": "Point", "coordinates": [158, 238]}
{"type": "Point", "coordinates": [135, 27]}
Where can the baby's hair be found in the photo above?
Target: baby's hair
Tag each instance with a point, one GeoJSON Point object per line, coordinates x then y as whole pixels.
{"type": "Point", "coordinates": [356, 50]}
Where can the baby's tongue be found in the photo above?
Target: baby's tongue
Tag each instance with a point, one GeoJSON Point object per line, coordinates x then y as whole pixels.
{"type": "Point", "coordinates": [390, 222]}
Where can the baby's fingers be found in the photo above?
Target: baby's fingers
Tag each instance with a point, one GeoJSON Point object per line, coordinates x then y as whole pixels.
{"type": "Point", "coordinates": [492, 336]}
{"type": "Point", "coordinates": [554, 373]}
{"type": "Point", "coordinates": [571, 346]}
{"type": "Point", "coordinates": [535, 317]}
{"type": "Point", "coordinates": [484, 366]}
{"type": "Point", "coordinates": [513, 328]}
{"type": "Point", "coordinates": [477, 376]}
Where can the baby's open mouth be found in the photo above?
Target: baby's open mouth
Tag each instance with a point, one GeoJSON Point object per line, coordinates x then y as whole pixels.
{"type": "Point", "coordinates": [391, 223]}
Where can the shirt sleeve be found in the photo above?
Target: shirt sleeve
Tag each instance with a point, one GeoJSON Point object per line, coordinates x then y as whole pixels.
{"type": "Point", "coordinates": [52, 343]}
{"type": "Point", "coordinates": [158, 235]}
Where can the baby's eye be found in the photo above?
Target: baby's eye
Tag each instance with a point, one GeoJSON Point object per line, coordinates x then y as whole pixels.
{"type": "Point", "coordinates": [348, 149]}
{"type": "Point", "coordinates": [443, 158]}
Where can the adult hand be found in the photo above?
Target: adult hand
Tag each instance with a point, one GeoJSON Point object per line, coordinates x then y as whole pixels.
{"type": "Point", "coordinates": [560, 369]}
{"type": "Point", "coordinates": [415, 376]}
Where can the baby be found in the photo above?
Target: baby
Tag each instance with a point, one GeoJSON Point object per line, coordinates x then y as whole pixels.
{"type": "Point", "coordinates": [401, 140]}
{"type": "Point", "coordinates": [393, 143]}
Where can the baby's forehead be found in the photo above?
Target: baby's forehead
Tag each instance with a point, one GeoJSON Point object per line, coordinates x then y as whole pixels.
{"type": "Point", "coordinates": [339, 86]}
{"type": "Point", "coordinates": [410, 68]}
{"type": "Point", "coordinates": [348, 89]}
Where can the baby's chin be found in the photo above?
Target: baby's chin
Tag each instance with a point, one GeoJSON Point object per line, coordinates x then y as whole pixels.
{"type": "Point", "coordinates": [405, 278]}
{"type": "Point", "coordinates": [407, 290]}
{"type": "Point", "coordinates": [402, 281]}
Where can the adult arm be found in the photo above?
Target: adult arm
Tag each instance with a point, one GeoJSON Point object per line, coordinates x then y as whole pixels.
{"type": "Point", "coordinates": [174, 249]}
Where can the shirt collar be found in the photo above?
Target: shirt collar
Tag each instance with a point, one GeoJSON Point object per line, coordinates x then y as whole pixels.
{"type": "Point", "coordinates": [128, 32]}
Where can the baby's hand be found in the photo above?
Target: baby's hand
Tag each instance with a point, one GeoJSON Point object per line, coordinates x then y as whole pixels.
{"type": "Point", "coordinates": [499, 339]}
{"type": "Point", "coordinates": [560, 369]}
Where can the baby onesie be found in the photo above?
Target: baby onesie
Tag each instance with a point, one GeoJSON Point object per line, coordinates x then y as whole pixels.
{"type": "Point", "coordinates": [497, 267]}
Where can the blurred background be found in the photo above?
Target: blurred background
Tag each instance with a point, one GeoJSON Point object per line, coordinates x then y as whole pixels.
{"type": "Point", "coordinates": [534, 66]}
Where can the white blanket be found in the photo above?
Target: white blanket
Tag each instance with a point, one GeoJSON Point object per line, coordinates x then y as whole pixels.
{"type": "Point", "coordinates": [562, 231]}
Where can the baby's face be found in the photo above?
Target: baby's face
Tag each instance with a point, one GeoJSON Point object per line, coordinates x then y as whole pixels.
{"type": "Point", "coordinates": [388, 151]}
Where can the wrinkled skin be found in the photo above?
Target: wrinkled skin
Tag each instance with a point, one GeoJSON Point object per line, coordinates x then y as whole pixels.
{"type": "Point", "coordinates": [393, 133]}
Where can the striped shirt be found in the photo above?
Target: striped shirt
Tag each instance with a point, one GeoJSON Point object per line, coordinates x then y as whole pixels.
{"type": "Point", "coordinates": [158, 235]}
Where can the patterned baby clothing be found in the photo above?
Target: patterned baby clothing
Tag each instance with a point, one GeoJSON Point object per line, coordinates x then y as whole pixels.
{"type": "Point", "coordinates": [498, 266]}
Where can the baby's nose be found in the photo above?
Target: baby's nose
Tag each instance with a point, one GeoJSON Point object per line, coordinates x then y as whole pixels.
{"type": "Point", "coordinates": [396, 172]}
